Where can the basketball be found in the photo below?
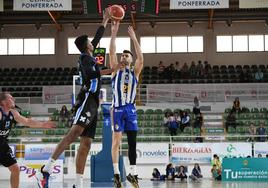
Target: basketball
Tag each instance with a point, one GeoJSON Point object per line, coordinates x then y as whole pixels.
{"type": "Point", "coordinates": [117, 12]}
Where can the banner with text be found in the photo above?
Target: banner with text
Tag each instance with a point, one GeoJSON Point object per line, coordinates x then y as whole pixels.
{"type": "Point", "coordinates": [232, 149]}
{"type": "Point", "coordinates": [152, 153]}
{"type": "Point", "coordinates": [29, 167]}
{"type": "Point", "coordinates": [94, 149]}
{"type": "Point", "coordinates": [245, 169]}
{"type": "Point", "coordinates": [260, 149]}
{"type": "Point", "coordinates": [40, 151]}
{"type": "Point", "coordinates": [198, 4]}
{"type": "Point", "coordinates": [57, 94]}
{"type": "Point", "coordinates": [52, 5]}
{"type": "Point", "coordinates": [205, 92]}
{"type": "Point", "coordinates": [189, 153]}
{"type": "Point", "coordinates": [253, 3]}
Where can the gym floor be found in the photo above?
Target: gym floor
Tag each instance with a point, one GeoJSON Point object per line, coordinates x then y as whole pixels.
{"type": "Point", "coordinates": [205, 183]}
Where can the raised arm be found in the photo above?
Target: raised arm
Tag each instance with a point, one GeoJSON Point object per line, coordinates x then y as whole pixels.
{"type": "Point", "coordinates": [112, 54]}
{"type": "Point", "coordinates": [139, 61]}
{"type": "Point", "coordinates": [101, 29]}
{"type": "Point", "coordinates": [31, 123]}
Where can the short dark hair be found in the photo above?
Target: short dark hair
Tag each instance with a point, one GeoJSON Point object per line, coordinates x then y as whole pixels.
{"type": "Point", "coordinates": [128, 52]}
{"type": "Point", "coordinates": [81, 43]}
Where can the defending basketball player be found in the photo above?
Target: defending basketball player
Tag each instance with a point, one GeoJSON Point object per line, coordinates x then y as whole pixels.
{"type": "Point", "coordinates": [86, 107]}
{"type": "Point", "coordinates": [8, 117]}
{"type": "Point", "coordinates": [124, 116]}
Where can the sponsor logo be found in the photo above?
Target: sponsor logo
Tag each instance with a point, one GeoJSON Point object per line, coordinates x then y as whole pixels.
{"type": "Point", "coordinates": [88, 114]}
{"type": "Point", "coordinates": [116, 126]}
{"type": "Point", "coordinates": [231, 148]}
{"type": "Point", "coordinates": [191, 150]}
{"type": "Point", "coordinates": [4, 133]}
{"type": "Point", "coordinates": [156, 153]}
{"type": "Point", "coordinates": [82, 118]}
{"type": "Point", "coordinates": [245, 163]}
{"type": "Point", "coordinates": [32, 168]}
{"type": "Point", "coordinates": [116, 110]}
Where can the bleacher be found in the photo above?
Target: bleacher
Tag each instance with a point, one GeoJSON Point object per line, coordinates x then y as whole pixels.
{"type": "Point", "coordinates": [244, 119]}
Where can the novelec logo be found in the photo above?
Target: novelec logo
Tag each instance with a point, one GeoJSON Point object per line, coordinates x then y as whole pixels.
{"type": "Point", "coordinates": [157, 153]}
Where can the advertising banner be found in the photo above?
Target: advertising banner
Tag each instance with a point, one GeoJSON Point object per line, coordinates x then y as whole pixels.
{"type": "Point", "coordinates": [260, 149]}
{"type": "Point", "coordinates": [28, 167]}
{"type": "Point", "coordinates": [245, 169]}
{"type": "Point", "coordinates": [190, 153]}
{"type": "Point", "coordinates": [95, 148]}
{"type": "Point", "coordinates": [198, 4]}
{"type": "Point", "coordinates": [40, 5]}
{"type": "Point", "coordinates": [205, 92]}
{"type": "Point", "coordinates": [253, 3]}
{"type": "Point", "coordinates": [232, 149]}
{"type": "Point", "coordinates": [152, 153]}
{"type": "Point", "coordinates": [40, 151]}
{"type": "Point", "coordinates": [57, 94]}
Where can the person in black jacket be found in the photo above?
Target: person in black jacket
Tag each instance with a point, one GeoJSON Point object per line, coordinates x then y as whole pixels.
{"type": "Point", "coordinates": [86, 106]}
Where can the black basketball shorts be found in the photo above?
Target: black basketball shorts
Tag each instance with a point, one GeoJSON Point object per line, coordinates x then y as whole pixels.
{"type": "Point", "coordinates": [7, 158]}
{"type": "Point", "coordinates": [86, 113]}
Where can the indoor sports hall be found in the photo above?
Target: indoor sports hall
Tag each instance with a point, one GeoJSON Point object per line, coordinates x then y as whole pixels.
{"type": "Point", "coordinates": [197, 84]}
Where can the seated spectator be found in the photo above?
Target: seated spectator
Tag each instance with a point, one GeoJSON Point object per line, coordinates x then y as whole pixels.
{"type": "Point", "coordinates": [198, 121]}
{"type": "Point", "coordinates": [196, 172]}
{"type": "Point", "coordinates": [261, 131]}
{"type": "Point", "coordinates": [181, 173]}
{"type": "Point", "coordinates": [177, 118]}
{"type": "Point", "coordinates": [192, 70]}
{"type": "Point", "coordinates": [266, 156]}
{"type": "Point", "coordinates": [184, 71]}
{"type": "Point", "coordinates": [236, 106]}
{"type": "Point", "coordinates": [157, 176]}
{"type": "Point", "coordinates": [161, 69]}
{"type": "Point", "coordinates": [199, 69]}
{"type": "Point", "coordinates": [172, 125]}
{"type": "Point", "coordinates": [251, 132]}
{"type": "Point", "coordinates": [258, 76]}
{"type": "Point", "coordinates": [64, 115]}
{"type": "Point", "coordinates": [216, 173]}
{"type": "Point", "coordinates": [178, 69]}
{"type": "Point", "coordinates": [230, 121]}
{"type": "Point", "coordinates": [185, 121]}
{"type": "Point", "coordinates": [207, 69]}
{"type": "Point", "coordinates": [259, 155]}
{"type": "Point", "coordinates": [170, 172]}
{"type": "Point", "coordinates": [170, 72]}
{"type": "Point", "coordinates": [166, 119]}
{"type": "Point", "coordinates": [216, 161]}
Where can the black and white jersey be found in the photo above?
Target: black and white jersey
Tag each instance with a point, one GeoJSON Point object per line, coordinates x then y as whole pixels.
{"type": "Point", "coordinates": [6, 122]}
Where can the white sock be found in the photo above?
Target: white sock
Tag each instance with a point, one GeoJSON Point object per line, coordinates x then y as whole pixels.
{"type": "Point", "coordinates": [116, 168]}
{"type": "Point", "coordinates": [133, 170]}
{"type": "Point", "coordinates": [49, 166]}
{"type": "Point", "coordinates": [79, 180]}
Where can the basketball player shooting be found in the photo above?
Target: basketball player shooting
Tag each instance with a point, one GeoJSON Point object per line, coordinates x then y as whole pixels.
{"type": "Point", "coordinates": [124, 115]}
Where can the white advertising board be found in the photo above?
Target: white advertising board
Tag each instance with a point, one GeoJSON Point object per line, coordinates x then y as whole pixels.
{"type": "Point", "coordinates": [152, 153]}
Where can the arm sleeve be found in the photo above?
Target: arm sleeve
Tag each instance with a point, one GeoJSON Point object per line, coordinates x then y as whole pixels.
{"type": "Point", "coordinates": [98, 36]}
{"type": "Point", "coordinates": [88, 69]}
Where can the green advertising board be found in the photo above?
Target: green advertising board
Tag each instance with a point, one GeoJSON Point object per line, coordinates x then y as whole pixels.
{"type": "Point", "coordinates": [245, 169]}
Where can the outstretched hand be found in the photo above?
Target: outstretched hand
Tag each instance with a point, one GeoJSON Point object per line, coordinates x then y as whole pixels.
{"type": "Point", "coordinates": [114, 27]}
{"type": "Point", "coordinates": [131, 32]}
{"type": "Point", "coordinates": [49, 125]}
